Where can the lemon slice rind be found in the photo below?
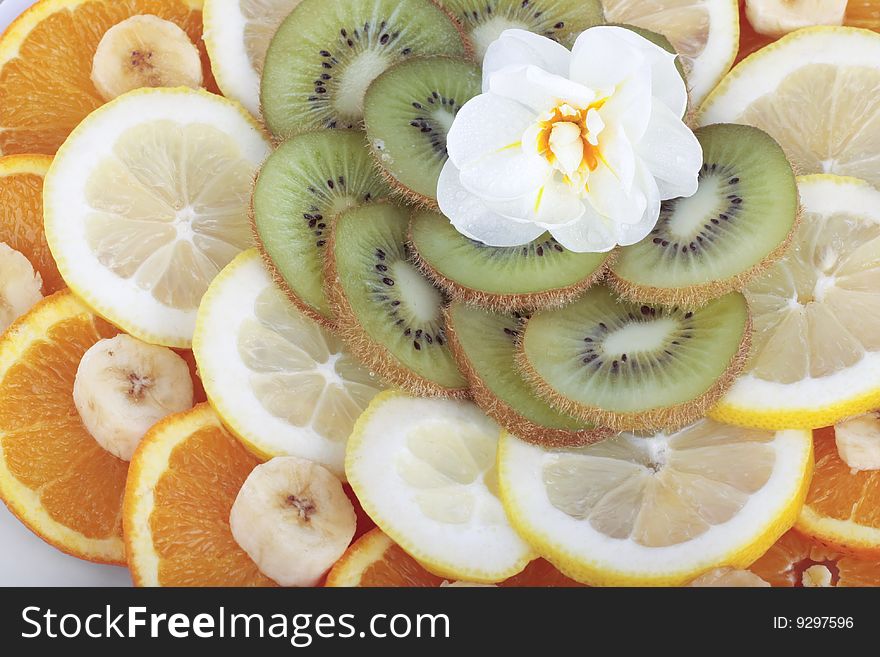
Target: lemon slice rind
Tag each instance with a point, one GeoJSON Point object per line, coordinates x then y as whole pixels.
{"type": "Point", "coordinates": [225, 41]}
{"type": "Point", "coordinates": [762, 72]}
{"type": "Point", "coordinates": [119, 300]}
{"type": "Point", "coordinates": [813, 402]}
{"type": "Point", "coordinates": [483, 548]}
{"type": "Point", "coordinates": [722, 40]}
{"type": "Point", "coordinates": [591, 557]}
{"type": "Point", "coordinates": [228, 304]}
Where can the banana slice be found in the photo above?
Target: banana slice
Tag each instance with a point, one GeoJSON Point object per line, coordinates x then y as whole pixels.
{"type": "Point", "coordinates": [145, 51]}
{"type": "Point", "coordinates": [293, 519]}
{"type": "Point", "coordinates": [124, 386]}
{"type": "Point", "coordinates": [778, 17]}
{"type": "Point", "coordinates": [19, 285]}
{"type": "Point", "coordinates": [858, 442]}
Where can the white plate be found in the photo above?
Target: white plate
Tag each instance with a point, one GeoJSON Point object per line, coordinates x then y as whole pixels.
{"type": "Point", "coordinates": [9, 9]}
{"type": "Point", "coordinates": [25, 560]}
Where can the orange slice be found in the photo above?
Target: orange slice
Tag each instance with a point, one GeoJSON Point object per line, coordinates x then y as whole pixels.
{"type": "Point", "coordinates": [21, 213]}
{"type": "Point", "coordinates": [375, 560]}
{"type": "Point", "coordinates": [842, 507]}
{"type": "Point", "coordinates": [183, 480]}
{"type": "Point", "coordinates": [791, 556]}
{"type": "Point", "coordinates": [53, 475]}
{"type": "Point", "coordinates": [46, 63]}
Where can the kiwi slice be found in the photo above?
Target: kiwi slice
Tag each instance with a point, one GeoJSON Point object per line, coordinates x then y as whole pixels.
{"type": "Point", "coordinates": [327, 52]}
{"type": "Point", "coordinates": [560, 20]}
{"type": "Point", "coordinates": [408, 111]}
{"type": "Point", "coordinates": [484, 345]}
{"type": "Point", "coordinates": [631, 366]}
{"type": "Point", "coordinates": [737, 224]}
{"type": "Point", "coordinates": [387, 310]}
{"type": "Point", "coordinates": [301, 187]}
{"type": "Point", "coordinates": [539, 274]}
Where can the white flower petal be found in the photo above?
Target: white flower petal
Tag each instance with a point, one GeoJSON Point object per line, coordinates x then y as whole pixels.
{"type": "Point", "coordinates": [485, 143]}
{"type": "Point", "coordinates": [610, 199]}
{"type": "Point", "coordinates": [473, 219]}
{"type": "Point", "coordinates": [629, 105]}
{"type": "Point", "coordinates": [486, 124]}
{"type": "Point", "coordinates": [618, 156]}
{"type": "Point", "coordinates": [601, 59]}
{"type": "Point", "coordinates": [505, 174]}
{"type": "Point", "coordinates": [672, 153]}
{"type": "Point", "coordinates": [592, 233]}
{"type": "Point", "coordinates": [668, 85]}
{"type": "Point", "coordinates": [523, 48]}
{"type": "Point", "coordinates": [552, 204]}
{"type": "Point", "coordinates": [538, 89]}
{"type": "Point", "coordinates": [635, 232]}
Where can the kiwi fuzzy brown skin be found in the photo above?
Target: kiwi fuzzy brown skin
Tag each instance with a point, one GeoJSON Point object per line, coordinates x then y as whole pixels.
{"type": "Point", "coordinates": [510, 303]}
{"type": "Point", "coordinates": [508, 417]}
{"type": "Point", "coordinates": [400, 191]}
{"type": "Point", "coordinates": [369, 352]}
{"type": "Point", "coordinates": [670, 418]}
{"type": "Point", "coordinates": [697, 296]}
{"type": "Point", "coordinates": [470, 52]}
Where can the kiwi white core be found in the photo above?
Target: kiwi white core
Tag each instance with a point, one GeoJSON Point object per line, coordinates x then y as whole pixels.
{"type": "Point", "coordinates": [487, 32]}
{"type": "Point", "coordinates": [643, 337]}
{"type": "Point", "coordinates": [342, 203]}
{"type": "Point", "coordinates": [444, 118]}
{"type": "Point", "coordinates": [355, 80]}
{"type": "Point", "coordinates": [690, 213]}
{"type": "Point", "coordinates": [422, 299]}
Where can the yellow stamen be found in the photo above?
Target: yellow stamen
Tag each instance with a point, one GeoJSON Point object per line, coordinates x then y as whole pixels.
{"type": "Point", "coordinates": [592, 154]}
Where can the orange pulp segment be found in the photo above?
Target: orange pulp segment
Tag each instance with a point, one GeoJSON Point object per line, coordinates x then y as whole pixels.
{"type": "Point", "coordinates": [46, 64]}
{"type": "Point", "coordinates": [842, 507]}
{"type": "Point", "coordinates": [784, 563]}
{"type": "Point", "coordinates": [53, 475]}
{"type": "Point", "coordinates": [21, 214]}
{"type": "Point", "coordinates": [184, 478]}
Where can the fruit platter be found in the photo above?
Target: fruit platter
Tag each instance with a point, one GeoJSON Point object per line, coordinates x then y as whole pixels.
{"type": "Point", "coordinates": [428, 293]}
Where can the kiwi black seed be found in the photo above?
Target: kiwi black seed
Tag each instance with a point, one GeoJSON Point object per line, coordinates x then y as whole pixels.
{"type": "Point", "coordinates": [635, 366]}
{"type": "Point", "coordinates": [737, 224]}
{"type": "Point", "coordinates": [540, 274]}
{"type": "Point", "coordinates": [387, 310]}
{"type": "Point", "coordinates": [560, 20]}
{"type": "Point", "coordinates": [484, 344]}
{"type": "Point", "coordinates": [408, 111]}
{"type": "Point", "coordinates": [301, 187]}
{"type": "Point", "coordinates": [327, 52]}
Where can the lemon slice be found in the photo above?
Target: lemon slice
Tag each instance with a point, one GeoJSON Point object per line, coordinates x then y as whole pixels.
{"type": "Point", "coordinates": [147, 201]}
{"type": "Point", "coordinates": [656, 510]}
{"type": "Point", "coordinates": [280, 382]}
{"type": "Point", "coordinates": [704, 32]}
{"type": "Point", "coordinates": [815, 92]}
{"type": "Point", "coordinates": [424, 471]}
{"type": "Point", "coordinates": [237, 35]}
{"type": "Point", "coordinates": [816, 314]}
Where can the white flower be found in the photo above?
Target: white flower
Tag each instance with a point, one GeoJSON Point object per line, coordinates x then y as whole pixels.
{"type": "Point", "coordinates": [583, 144]}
